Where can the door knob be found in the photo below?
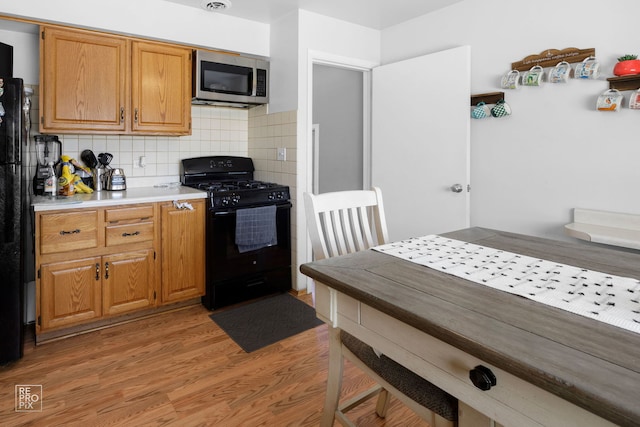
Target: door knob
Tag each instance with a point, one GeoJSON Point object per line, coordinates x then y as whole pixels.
{"type": "Point", "coordinates": [456, 188]}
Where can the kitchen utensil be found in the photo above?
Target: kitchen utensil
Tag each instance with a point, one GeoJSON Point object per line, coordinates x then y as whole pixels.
{"type": "Point", "coordinates": [511, 80]}
{"type": "Point", "coordinates": [105, 158]}
{"type": "Point", "coordinates": [480, 111]}
{"type": "Point", "coordinates": [108, 157]}
{"type": "Point", "coordinates": [115, 180]}
{"type": "Point", "coordinates": [48, 149]}
{"type": "Point", "coordinates": [634, 100]}
{"type": "Point", "coordinates": [610, 100]}
{"type": "Point", "coordinates": [89, 159]}
{"type": "Point", "coordinates": [501, 109]}
{"type": "Point", "coordinates": [98, 178]}
{"type": "Point", "coordinates": [533, 77]}
{"type": "Point", "coordinates": [587, 69]}
{"type": "Point", "coordinates": [560, 73]}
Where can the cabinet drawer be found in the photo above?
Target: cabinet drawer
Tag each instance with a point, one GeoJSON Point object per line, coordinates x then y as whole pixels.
{"type": "Point", "coordinates": [68, 231]}
{"type": "Point", "coordinates": [129, 233]}
{"type": "Point", "coordinates": [132, 213]}
{"type": "Point", "coordinates": [512, 401]}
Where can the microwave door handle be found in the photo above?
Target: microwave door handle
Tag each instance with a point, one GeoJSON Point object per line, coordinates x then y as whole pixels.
{"type": "Point", "coordinates": [253, 77]}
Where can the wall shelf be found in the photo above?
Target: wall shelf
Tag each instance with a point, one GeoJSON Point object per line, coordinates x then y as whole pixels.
{"type": "Point", "coordinates": [551, 57]}
{"type": "Point", "coordinates": [611, 228]}
{"type": "Point", "coordinates": [624, 82]}
{"type": "Point", "coordinates": [487, 98]}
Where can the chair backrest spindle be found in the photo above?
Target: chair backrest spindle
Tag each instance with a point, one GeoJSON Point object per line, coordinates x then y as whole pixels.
{"type": "Point", "coordinates": [341, 222]}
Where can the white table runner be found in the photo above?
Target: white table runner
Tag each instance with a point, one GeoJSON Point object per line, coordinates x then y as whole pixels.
{"type": "Point", "coordinates": [611, 299]}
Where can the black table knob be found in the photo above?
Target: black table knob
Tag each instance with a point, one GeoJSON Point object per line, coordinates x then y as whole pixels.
{"type": "Point", "coordinates": [482, 377]}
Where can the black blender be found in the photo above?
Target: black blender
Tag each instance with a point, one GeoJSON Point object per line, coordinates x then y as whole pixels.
{"type": "Point", "coordinates": [48, 149]}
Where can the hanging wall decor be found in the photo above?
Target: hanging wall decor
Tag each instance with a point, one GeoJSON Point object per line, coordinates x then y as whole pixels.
{"type": "Point", "coordinates": [551, 58]}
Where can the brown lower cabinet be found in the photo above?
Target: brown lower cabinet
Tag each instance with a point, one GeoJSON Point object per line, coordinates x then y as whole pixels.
{"type": "Point", "coordinates": [183, 260]}
{"type": "Point", "coordinates": [102, 266]}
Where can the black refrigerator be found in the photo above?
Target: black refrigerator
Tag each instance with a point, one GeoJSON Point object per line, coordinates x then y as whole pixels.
{"type": "Point", "coordinates": [13, 136]}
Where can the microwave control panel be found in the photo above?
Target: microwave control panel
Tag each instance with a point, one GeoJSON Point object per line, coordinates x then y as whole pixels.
{"type": "Point", "coordinates": [261, 83]}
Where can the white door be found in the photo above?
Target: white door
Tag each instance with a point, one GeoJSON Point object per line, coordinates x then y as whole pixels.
{"type": "Point", "coordinates": [420, 142]}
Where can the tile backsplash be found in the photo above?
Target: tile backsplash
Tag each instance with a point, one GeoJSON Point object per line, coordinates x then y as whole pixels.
{"type": "Point", "coordinates": [268, 133]}
{"type": "Point", "coordinates": [216, 131]}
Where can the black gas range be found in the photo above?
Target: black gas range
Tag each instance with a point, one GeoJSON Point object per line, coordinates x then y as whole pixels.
{"type": "Point", "coordinates": [229, 182]}
{"type": "Point", "coordinates": [248, 234]}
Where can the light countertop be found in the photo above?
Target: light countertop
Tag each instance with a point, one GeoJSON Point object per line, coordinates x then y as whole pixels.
{"type": "Point", "coordinates": [111, 198]}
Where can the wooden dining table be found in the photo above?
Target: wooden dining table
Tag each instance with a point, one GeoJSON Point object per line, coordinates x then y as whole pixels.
{"type": "Point", "coordinates": [550, 367]}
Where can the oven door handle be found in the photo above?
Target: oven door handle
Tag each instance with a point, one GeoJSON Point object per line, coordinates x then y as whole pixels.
{"type": "Point", "coordinates": [233, 210]}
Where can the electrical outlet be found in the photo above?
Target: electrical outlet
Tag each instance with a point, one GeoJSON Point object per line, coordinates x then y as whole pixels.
{"type": "Point", "coordinates": [282, 154]}
{"type": "Point", "coordinates": [140, 162]}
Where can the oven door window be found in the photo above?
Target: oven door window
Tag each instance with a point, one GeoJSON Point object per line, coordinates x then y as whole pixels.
{"type": "Point", "coordinates": [225, 78]}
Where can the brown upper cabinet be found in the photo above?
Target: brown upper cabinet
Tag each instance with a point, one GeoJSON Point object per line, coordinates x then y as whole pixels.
{"type": "Point", "coordinates": [99, 83]}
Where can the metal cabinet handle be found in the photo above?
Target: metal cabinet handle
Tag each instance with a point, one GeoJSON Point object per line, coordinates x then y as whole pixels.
{"type": "Point", "coordinates": [106, 270]}
{"type": "Point", "coordinates": [135, 233]}
{"type": "Point", "coordinates": [121, 114]}
{"type": "Point", "coordinates": [135, 115]}
{"type": "Point", "coordinates": [97, 271]}
{"type": "Point", "coordinates": [76, 231]}
{"type": "Point", "coordinates": [482, 377]}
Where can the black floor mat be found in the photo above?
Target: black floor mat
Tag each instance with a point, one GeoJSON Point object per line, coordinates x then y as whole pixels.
{"type": "Point", "coordinates": [266, 321]}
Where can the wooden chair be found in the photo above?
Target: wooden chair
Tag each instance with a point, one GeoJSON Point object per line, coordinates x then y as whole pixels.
{"type": "Point", "coordinates": [344, 222]}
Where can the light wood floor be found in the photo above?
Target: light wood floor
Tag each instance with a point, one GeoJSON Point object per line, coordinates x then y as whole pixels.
{"type": "Point", "coordinates": [181, 369]}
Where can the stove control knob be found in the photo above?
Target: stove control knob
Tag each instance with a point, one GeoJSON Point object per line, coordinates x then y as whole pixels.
{"type": "Point", "coordinates": [279, 195]}
{"type": "Point", "coordinates": [225, 201]}
{"type": "Point", "coordinates": [272, 196]}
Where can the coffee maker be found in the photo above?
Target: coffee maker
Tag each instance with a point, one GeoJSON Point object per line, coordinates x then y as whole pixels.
{"type": "Point", "coordinates": [48, 149]}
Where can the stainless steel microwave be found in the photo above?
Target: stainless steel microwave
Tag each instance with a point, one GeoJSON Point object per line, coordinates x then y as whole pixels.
{"type": "Point", "coordinates": [220, 78]}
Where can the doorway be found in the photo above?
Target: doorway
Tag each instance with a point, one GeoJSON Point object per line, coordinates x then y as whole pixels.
{"type": "Point", "coordinates": [355, 154]}
{"type": "Point", "coordinates": [338, 129]}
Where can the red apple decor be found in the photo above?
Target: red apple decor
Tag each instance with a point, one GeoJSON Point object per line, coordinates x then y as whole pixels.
{"type": "Point", "coordinates": [627, 65]}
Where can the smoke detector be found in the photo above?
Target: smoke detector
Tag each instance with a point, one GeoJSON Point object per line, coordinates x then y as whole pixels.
{"type": "Point", "coordinates": [215, 5]}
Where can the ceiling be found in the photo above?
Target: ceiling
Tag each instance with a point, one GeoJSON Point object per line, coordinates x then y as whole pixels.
{"type": "Point", "coordinates": [376, 14]}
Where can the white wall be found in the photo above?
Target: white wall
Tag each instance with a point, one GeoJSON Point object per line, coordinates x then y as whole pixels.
{"type": "Point", "coordinates": [25, 55]}
{"type": "Point", "coordinates": [555, 152]}
{"type": "Point", "coordinates": [152, 19]}
{"type": "Point", "coordinates": [283, 80]}
{"type": "Point", "coordinates": [320, 36]}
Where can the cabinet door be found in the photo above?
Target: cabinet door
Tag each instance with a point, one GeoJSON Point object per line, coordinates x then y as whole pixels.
{"type": "Point", "coordinates": [161, 88]}
{"type": "Point", "coordinates": [83, 79]}
{"type": "Point", "coordinates": [69, 293]}
{"type": "Point", "coordinates": [183, 251]}
{"type": "Point", "coordinates": [128, 281]}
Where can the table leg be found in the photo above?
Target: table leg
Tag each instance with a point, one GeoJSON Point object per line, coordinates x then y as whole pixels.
{"type": "Point", "coordinates": [334, 378]}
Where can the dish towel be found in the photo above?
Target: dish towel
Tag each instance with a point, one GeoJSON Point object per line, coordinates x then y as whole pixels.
{"type": "Point", "coordinates": [256, 228]}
